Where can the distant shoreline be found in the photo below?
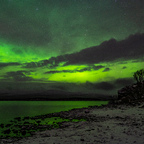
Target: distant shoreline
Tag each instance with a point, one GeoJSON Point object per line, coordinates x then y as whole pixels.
{"type": "Point", "coordinates": [56, 97]}
{"type": "Point", "coordinates": [70, 99]}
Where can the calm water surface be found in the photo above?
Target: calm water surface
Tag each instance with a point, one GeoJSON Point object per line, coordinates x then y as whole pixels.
{"type": "Point", "coordinates": [12, 109]}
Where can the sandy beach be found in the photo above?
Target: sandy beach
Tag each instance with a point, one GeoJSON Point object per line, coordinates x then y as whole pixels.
{"type": "Point", "coordinates": [111, 124]}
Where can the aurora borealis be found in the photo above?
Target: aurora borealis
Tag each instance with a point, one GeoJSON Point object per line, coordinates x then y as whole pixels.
{"type": "Point", "coordinates": [70, 45]}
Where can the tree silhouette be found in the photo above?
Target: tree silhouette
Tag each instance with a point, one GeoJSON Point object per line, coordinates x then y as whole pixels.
{"type": "Point", "coordinates": [138, 75]}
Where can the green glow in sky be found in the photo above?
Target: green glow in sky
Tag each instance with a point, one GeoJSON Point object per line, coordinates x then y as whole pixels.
{"type": "Point", "coordinates": [41, 41]}
{"type": "Point", "coordinates": [116, 71]}
{"type": "Point", "coordinates": [33, 29]}
{"type": "Point", "coordinates": [13, 53]}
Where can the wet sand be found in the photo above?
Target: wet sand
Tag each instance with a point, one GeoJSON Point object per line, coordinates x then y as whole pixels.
{"type": "Point", "coordinates": [111, 124]}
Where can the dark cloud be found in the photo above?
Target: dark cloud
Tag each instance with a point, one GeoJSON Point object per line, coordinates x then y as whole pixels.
{"type": "Point", "coordinates": [105, 86]}
{"type": "Point", "coordinates": [32, 65]}
{"type": "Point", "coordinates": [113, 85]}
{"type": "Point", "coordinates": [52, 63]}
{"type": "Point", "coordinates": [98, 67]}
{"type": "Point", "coordinates": [124, 67]}
{"type": "Point", "coordinates": [124, 81]}
{"type": "Point", "coordinates": [106, 69]}
{"type": "Point", "coordinates": [84, 69]}
{"type": "Point", "coordinates": [89, 68]}
{"type": "Point", "coordinates": [9, 64]}
{"type": "Point", "coordinates": [67, 71]}
{"type": "Point", "coordinates": [101, 86]}
{"type": "Point", "coordinates": [130, 48]}
{"type": "Point", "coordinates": [62, 71]}
{"type": "Point", "coordinates": [18, 76]}
{"type": "Point", "coordinates": [112, 50]}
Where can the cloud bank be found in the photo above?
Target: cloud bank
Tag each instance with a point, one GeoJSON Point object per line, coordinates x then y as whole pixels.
{"type": "Point", "coordinates": [112, 50]}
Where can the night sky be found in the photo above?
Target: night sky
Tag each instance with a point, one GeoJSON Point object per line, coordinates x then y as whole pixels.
{"type": "Point", "coordinates": [88, 46]}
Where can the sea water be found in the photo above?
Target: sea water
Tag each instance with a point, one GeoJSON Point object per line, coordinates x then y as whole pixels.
{"type": "Point", "coordinates": [11, 109]}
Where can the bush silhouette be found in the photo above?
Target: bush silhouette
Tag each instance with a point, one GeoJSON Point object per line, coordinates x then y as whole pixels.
{"type": "Point", "coordinates": [138, 75]}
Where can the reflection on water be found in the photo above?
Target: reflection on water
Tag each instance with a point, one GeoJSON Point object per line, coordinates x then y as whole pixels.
{"type": "Point", "coordinates": [12, 109]}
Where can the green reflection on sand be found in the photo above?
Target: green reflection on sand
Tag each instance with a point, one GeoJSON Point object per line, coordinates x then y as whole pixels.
{"type": "Point", "coordinates": [24, 127]}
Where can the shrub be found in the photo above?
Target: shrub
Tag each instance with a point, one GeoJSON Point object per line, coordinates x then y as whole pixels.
{"type": "Point", "coordinates": [138, 75]}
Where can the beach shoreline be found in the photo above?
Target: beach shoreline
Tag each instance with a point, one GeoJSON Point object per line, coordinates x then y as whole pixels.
{"type": "Point", "coordinates": [109, 124]}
